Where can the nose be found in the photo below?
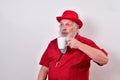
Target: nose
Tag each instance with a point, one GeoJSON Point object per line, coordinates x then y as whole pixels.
{"type": "Point", "coordinates": [63, 27]}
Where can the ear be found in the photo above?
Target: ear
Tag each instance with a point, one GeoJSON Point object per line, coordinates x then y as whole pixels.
{"type": "Point", "coordinates": [77, 28]}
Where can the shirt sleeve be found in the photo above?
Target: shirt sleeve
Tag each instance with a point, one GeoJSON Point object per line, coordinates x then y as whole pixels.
{"type": "Point", "coordinates": [92, 44]}
{"type": "Point", "coordinates": [96, 46]}
{"type": "Point", "coordinates": [45, 57]}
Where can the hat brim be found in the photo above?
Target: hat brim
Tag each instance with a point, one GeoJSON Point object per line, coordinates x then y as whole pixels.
{"type": "Point", "coordinates": [79, 22]}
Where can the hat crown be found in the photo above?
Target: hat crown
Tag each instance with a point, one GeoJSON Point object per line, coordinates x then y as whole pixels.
{"type": "Point", "coordinates": [70, 14]}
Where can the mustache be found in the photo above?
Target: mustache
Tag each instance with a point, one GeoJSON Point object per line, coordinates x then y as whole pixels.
{"type": "Point", "coordinates": [64, 30]}
{"type": "Point", "coordinates": [69, 35]}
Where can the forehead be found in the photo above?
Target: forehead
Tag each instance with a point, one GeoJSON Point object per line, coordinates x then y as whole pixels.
{"type": "Point", "coordinates": [66, 21]}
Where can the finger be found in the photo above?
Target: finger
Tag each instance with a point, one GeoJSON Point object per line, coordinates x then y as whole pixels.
{"type": "Point", "coordinates": [71, 46]}
{"type": "Point", "coordinates": [68, 43]}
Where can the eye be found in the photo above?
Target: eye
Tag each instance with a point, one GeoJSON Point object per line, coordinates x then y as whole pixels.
{"type": "Point", "coordinates": [68, 24]}
{"type": "Point", "coordinates": [60, 24]}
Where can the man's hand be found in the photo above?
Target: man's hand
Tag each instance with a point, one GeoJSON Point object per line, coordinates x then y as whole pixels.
{"type": "Point", "coordinates": [73, 43]}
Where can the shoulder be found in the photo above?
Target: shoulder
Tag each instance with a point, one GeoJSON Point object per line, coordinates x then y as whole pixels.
{"type": "Point", "coordinates": [88, 41]}
{"type": "Point", "coordinates": [53, 42]}
{"type": "Point", "coordinates": [84, 39]}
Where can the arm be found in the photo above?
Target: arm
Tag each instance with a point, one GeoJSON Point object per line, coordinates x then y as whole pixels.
{"type": "Point", "coordinates": [96, 55]}
{"type": "Point", "coordinates": [43, 73]}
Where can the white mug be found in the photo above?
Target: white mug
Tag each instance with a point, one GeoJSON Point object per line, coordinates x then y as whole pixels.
{"type": "Point", "coordinates": [61, 41]}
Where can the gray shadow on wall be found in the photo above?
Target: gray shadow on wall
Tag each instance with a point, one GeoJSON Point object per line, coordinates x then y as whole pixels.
{"type": "Point", "coordinates": [88, 29]}
{"type": "Point", "coordinates": [110, 71]}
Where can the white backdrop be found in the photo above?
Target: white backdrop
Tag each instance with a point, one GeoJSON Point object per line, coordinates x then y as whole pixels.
{"type": "Point", "coordinates": [27, 26]}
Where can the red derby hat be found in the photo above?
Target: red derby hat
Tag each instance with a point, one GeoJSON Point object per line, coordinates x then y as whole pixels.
{"type": "Point", "coordinates": [71, 15]}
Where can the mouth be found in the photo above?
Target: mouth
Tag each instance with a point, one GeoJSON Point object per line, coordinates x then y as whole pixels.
{"type": "Point", "coordinates": [64, 34]}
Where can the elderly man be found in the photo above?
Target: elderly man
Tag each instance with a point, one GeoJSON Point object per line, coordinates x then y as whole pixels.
{"type": "Point", "coordinates": [74, 64]}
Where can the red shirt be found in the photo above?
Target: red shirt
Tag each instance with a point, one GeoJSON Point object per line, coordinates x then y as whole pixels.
{"type": "Point", "coordinates": [74, 64]}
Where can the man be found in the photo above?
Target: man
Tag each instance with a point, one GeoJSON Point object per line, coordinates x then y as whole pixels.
{"type": "Point", "coordinates": [75, 63]}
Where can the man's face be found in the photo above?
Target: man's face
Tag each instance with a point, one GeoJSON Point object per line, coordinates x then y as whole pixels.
{"type": "Point", "coordinates": [67, 28]}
